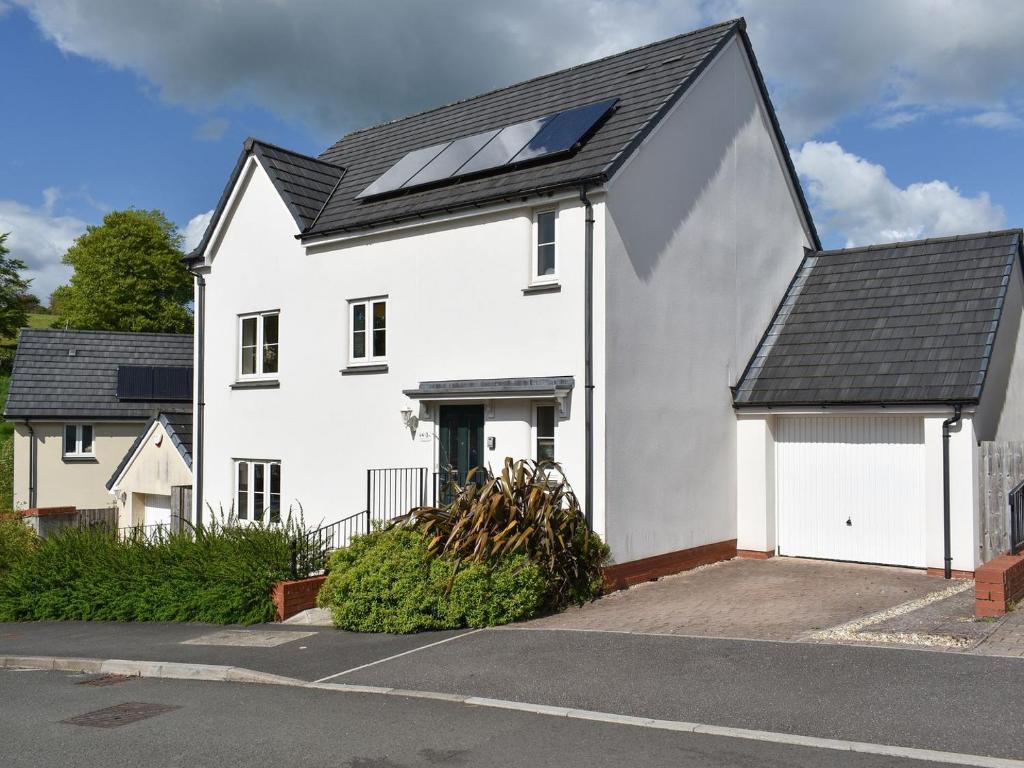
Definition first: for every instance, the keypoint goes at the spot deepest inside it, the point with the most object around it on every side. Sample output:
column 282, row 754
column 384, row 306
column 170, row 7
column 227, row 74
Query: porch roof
column 482, row 389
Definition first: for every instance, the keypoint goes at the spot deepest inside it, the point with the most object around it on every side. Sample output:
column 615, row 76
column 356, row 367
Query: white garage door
column 851, row 488
column 158, row 509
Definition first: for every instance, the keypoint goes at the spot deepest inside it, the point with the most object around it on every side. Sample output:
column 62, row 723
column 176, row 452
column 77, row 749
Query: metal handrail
column 1017, row 519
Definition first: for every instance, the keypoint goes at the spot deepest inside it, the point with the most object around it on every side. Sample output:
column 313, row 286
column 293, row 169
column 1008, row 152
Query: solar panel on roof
column 565, row 131
column 533, row 139
column 403, row 170
column 452, row 158
column 505, row 145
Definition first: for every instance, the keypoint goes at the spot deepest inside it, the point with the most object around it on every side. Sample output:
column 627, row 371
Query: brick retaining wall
column 998, row 584
column 292, row 597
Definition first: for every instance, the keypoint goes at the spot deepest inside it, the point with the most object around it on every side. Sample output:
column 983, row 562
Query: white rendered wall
column 1000, row 414
column 963, row 493
column 704, row 234
column 755, row 484
column 456, row 310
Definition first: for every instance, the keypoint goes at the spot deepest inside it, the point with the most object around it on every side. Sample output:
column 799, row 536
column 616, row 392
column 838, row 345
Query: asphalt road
column 905, row 698
column 230, row 724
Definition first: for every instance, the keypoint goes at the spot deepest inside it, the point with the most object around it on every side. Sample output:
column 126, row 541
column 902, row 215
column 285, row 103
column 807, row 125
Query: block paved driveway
column 778, row 599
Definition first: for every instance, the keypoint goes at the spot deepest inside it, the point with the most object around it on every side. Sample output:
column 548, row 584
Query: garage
column 852, row 488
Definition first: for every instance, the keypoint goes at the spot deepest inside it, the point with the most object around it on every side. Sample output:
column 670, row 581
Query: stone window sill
column 542, row 288
column 358, row 370
column 257, row 384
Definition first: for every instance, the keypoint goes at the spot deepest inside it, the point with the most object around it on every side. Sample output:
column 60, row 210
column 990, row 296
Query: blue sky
column 904, row 117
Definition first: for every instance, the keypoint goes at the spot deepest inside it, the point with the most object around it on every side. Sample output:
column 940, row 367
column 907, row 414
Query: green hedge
column 387, row 581
column 222, row 575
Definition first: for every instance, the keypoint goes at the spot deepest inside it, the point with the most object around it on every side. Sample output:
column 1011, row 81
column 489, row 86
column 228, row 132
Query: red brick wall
column 998, row 584
column 292, row 597
column 622, row 575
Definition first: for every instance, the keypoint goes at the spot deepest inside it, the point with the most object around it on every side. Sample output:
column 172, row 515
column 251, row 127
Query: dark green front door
column 461, row 430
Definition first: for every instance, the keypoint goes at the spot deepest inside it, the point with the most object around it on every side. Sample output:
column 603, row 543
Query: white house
column 580, row 266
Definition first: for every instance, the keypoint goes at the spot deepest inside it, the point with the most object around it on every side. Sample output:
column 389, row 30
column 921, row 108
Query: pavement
column 227, row 724
column 893, row 697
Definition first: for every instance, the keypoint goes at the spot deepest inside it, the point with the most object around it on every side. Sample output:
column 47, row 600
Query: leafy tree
column 12, row 285
column 31, row 303
column 128, row 276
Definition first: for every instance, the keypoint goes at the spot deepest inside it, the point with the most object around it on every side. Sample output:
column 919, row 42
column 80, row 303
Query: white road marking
column 397, row 656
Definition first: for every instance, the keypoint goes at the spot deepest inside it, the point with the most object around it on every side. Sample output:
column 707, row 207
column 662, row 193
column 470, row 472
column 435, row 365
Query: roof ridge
column 736, row 21
column 251, row 141
column 923, row 241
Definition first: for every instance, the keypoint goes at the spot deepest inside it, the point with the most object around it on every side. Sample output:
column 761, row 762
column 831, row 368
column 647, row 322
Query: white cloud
column 195, row 229
column 39, row 238
column 827, row 60
column 339, row 66
column 856, row 199
column 213, row 129
column 996, row 118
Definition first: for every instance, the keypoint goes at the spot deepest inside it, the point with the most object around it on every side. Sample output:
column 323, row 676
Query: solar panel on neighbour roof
column 533, row 139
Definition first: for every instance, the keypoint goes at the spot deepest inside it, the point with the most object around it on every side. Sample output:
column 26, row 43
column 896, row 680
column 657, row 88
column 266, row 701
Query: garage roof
column 903, row 323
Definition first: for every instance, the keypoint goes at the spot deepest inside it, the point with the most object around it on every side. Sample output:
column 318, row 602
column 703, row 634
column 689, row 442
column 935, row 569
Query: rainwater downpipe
column 199, row 459
column 32, row 465
column 947, row 542
column 588, row 356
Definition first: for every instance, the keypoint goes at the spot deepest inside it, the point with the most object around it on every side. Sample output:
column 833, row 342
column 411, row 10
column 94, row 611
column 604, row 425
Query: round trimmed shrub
column 388, row 581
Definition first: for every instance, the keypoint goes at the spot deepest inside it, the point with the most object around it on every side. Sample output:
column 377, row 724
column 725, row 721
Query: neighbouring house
column 581, row 267
column 152, row 486
column 872, row 354
column 79, row 399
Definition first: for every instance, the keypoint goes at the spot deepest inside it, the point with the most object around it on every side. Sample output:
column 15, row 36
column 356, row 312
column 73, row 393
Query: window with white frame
column 258, row 490
column 544, row 256
column 368, row 331
column 78, row 441
column 544, row 427
column 258, row 345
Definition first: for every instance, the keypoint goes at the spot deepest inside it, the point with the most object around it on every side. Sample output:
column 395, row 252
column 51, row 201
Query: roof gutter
column 946, row 537
column 588, row 355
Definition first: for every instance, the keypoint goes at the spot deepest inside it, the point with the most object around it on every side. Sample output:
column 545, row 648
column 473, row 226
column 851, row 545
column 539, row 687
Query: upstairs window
column 258, row 490
column 368, row 321
column 78, row 441
column 544, row 255
column 258, row 345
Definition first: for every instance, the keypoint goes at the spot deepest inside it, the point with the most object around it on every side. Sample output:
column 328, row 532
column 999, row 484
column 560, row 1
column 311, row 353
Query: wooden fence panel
column 1000, row 468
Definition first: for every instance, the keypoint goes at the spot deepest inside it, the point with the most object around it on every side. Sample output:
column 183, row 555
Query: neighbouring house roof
column 534, row 386
column 647, row 82
column 177, row 425
column 73, row 374
column 904, row 323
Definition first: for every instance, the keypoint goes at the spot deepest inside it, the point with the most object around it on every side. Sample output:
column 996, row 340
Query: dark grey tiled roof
column 49, row 381
column 647, row 81
column 179, row 429
column 900, row 323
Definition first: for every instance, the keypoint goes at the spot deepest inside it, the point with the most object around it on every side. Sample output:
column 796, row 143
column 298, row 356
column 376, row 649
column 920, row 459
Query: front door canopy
column 533, row 387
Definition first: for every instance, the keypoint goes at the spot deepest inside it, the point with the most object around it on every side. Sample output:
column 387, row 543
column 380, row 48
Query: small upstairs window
column 545, row 256
column 78, row 441
column 368, row 335
column 258, row 345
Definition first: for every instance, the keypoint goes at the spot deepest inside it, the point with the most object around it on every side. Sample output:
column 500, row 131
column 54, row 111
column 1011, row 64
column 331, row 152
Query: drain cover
column 99, row 682
column 120, row 714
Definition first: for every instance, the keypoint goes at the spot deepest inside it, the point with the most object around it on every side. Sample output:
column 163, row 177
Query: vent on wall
column 154, row 382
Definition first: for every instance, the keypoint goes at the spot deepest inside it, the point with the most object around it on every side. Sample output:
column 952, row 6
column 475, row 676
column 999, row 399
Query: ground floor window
column 544, row 426
column 258, row 490
column 78, row 441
